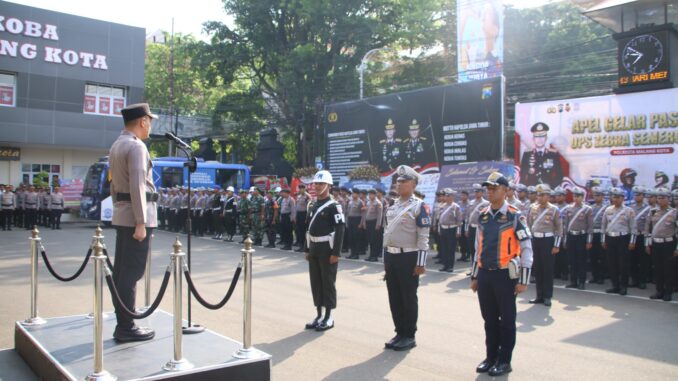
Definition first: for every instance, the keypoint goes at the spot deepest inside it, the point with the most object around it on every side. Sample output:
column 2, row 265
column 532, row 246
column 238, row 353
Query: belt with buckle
column 474, row 226
column 662, row 240
column 596, row 231
column 150, row 197
column 577, row 232
column 324, row 238
column 495, row 268
column 617, row 234
column 448, row 226
column 400, row 250
column 542, row 235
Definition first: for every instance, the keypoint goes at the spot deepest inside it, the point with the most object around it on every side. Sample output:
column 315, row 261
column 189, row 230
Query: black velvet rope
column 62, row 278
column 223, row 301
column 120, row 306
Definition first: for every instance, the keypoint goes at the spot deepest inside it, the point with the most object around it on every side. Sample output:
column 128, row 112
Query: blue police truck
column 96, row 203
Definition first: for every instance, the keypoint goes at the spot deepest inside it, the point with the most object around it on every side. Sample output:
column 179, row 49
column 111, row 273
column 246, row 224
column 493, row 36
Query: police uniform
column 175, row 205
column 372, row 220
column 475, row 206
column 355, row 211
column 162, row 200
column 31, row 208
column 619, row 227
column 449, row 222
column 639, row 264
column 405, row 248
column 434, row 236
column 287, row 218
column 464, row 247
column 230, row 210
column 345, row 196
column 322, row 241
column 660, row 234
column 561, row 269
column 19, row 215
column 597, row 253
column 391, row 149
column 193, row 199
column 578, row 225
column 134, row 202
column 9, row 203
column 541, row 166
column 300, row 208
column 43, row 209
column 244, row 214
column 56, row 207
column 546, row 226
column 503, row 237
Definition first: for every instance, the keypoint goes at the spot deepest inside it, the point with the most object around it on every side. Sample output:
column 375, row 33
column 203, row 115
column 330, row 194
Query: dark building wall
column 49, row 96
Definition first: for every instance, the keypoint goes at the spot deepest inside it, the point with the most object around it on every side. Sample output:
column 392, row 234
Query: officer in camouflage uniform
column 270, row 217
column 257, row 213
column 244, row 214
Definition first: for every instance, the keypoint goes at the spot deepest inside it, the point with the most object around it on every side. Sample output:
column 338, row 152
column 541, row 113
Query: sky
column 157, row 14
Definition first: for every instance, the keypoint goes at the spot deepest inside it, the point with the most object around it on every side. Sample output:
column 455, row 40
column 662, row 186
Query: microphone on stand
column 179, row 142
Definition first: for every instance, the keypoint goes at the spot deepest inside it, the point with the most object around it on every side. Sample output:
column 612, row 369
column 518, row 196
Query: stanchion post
column 34, row 319
column 98, row 237
column 147, row 279
column 99, row 374
column 247, row 351
column 178, row 362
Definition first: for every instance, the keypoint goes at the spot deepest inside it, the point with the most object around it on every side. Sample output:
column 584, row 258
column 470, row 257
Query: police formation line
column 28, row 206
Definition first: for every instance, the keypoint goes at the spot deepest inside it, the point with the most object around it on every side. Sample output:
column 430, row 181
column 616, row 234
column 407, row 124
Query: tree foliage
column 300, row 54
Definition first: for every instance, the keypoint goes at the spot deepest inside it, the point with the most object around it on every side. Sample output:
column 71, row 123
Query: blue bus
column 167, row 172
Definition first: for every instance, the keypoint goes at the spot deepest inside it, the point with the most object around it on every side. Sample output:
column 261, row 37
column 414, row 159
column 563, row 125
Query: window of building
column 104, row 99
column 32, row 172
column 7, row 89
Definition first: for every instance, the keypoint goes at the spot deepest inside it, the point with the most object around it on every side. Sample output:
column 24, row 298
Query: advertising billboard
column 480, row 39
column 625, row 140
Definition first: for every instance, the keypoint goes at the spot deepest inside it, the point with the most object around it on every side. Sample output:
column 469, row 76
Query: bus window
column 230, row 177
column 172, row 176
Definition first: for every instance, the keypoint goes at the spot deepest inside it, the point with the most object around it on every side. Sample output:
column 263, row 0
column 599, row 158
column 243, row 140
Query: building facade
column 63, row 81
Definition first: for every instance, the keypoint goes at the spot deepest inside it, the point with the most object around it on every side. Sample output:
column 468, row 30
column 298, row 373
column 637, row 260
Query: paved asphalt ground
column 585, row 335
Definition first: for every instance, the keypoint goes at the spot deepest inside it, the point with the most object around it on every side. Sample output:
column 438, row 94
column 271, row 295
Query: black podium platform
column 62, row 349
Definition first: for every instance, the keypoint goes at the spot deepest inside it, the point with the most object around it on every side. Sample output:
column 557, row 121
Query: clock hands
column 635, row 53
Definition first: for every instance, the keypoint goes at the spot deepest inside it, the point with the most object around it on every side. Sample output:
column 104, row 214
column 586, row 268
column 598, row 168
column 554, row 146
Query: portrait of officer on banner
column 541, row 164
column 418, row 148
column 391, row 148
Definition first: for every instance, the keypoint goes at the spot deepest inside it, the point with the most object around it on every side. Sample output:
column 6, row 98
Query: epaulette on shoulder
column 513, row 209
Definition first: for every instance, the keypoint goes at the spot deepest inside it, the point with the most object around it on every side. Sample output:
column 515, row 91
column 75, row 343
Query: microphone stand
column 191, row 164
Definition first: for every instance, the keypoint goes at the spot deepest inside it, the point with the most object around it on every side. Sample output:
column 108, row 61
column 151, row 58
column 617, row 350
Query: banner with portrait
column 425, row 129
column 627, row 140
column 480, row 39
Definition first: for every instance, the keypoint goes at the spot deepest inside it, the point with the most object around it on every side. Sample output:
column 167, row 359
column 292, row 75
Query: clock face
column 642, row 54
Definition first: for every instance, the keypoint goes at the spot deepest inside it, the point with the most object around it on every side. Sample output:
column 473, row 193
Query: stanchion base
column 62, row 350
column 192, row 329
column 101, row 376
column 177, row 365
column 249, row 353
column 91, row 315
column 31, row 322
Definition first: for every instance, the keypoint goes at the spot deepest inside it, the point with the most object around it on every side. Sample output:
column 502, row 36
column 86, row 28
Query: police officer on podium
column 322, row 246
column 406, row 237
column 501, row 271
column 134, row 213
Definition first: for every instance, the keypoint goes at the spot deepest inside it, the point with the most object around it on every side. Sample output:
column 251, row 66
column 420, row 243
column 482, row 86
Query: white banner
column 625, row 140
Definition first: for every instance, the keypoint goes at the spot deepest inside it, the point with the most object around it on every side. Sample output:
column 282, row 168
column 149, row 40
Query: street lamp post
column 363, row 66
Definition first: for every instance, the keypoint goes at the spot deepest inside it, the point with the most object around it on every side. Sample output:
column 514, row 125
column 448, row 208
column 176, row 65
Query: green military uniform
column 270, row 220
column 256, row 205
column 244, row 215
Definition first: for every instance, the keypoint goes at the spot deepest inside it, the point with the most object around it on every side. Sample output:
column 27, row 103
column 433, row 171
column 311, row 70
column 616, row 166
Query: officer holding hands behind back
column 501, row 271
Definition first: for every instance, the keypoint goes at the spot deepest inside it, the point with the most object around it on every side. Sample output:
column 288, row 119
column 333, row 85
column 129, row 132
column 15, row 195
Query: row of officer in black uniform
column 30, row 206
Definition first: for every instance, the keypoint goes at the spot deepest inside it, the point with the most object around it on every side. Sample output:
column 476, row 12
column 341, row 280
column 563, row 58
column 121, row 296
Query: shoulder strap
column 401, row 214
column 642, row 212
column 654, row 228
column 539, row 217
column 616, row 216
column 569, row 225
column 325, row 205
